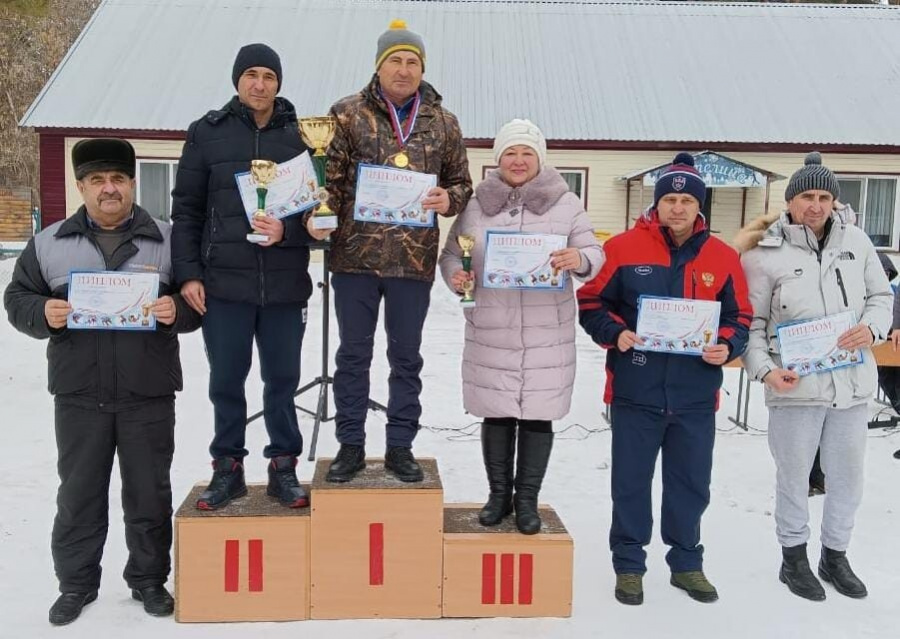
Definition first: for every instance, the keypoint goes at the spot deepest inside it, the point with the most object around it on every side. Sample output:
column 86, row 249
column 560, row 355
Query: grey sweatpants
column 795, row 432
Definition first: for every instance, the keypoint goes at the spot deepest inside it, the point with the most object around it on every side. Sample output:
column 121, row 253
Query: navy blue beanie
column 680, row 177
column 256, row 55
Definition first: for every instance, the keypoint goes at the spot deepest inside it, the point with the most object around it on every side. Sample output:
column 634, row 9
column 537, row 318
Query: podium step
column 248, row 561
column 499, row 572
column 378, row 545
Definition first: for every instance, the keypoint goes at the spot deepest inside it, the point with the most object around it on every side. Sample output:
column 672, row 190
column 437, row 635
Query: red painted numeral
column 526, row 567
column 233, row 565
column 376, row 554
column 507, row 566
column 488, row 578
column 255, row 577
column 507, row 579
column 232, row 558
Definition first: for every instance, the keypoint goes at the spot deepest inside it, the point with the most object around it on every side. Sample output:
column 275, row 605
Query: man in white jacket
column 817, row 266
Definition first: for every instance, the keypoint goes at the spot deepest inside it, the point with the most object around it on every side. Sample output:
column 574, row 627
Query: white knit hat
column 524, row 132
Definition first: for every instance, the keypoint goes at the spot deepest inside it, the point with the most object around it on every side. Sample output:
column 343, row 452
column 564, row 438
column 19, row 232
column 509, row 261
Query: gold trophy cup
column 263, row 171
column 317, row 133
column 145, row 313
column 467, row 243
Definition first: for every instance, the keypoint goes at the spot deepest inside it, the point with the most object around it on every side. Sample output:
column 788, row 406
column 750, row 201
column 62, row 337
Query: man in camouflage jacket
column 374, row 260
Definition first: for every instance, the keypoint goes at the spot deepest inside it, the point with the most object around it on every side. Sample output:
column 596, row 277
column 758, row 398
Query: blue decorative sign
column 718, row 171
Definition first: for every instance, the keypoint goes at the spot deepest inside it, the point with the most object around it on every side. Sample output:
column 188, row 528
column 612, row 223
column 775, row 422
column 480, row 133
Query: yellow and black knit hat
column 399, row 38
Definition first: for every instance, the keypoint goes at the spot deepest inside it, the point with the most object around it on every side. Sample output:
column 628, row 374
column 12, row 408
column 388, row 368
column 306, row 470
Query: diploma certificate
column 521, row 261
column 810, row 346
column 676, row 325
column 112, row 300
column 293, row 190
column 386, row 195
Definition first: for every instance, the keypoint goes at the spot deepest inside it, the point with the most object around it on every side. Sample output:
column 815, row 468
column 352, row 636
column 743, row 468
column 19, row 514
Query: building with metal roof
column 615, row 86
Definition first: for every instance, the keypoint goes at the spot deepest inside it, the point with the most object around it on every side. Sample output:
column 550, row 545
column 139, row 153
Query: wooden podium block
column 378, row 545
column 248, row 561
column 499, row 572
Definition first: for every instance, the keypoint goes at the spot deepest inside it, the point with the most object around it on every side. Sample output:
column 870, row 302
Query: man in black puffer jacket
column 242, row 289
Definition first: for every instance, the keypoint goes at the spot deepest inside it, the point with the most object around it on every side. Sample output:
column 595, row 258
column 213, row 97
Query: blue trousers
column 686, row 441
column 357, row 298
column 228, row 330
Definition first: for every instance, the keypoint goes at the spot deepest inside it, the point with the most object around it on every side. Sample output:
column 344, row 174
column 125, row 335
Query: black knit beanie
column 256, row 55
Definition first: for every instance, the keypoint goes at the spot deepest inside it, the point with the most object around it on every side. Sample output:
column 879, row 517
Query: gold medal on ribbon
column 401, row 160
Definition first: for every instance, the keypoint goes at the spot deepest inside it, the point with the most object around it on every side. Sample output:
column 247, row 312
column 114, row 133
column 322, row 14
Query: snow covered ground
column 742, row 556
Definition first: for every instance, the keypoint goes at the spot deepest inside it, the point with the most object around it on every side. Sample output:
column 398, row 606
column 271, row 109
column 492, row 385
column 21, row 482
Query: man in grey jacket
column 817, row 266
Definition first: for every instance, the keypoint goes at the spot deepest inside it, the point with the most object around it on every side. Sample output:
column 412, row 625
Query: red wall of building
column 53, row 179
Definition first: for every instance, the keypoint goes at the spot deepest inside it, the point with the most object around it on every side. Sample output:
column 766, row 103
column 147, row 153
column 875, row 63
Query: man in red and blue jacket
column 661, row 401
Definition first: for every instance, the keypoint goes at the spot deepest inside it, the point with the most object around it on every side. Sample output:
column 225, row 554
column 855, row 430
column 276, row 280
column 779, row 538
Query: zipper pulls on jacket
column 840, row 281
column 256, row 144
column 693, row 284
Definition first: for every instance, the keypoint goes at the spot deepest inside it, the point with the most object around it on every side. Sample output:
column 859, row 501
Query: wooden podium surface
column 375, row 477
column 256, row 504
column 463, row 518
column 248, row 561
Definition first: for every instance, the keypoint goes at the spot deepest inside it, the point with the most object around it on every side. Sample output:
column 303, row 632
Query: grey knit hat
column 812, row 177
column 399, row 38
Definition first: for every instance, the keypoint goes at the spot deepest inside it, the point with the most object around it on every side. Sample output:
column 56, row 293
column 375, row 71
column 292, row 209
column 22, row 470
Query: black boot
column 68, row 606
column 283, row 482
column 796, row 573
column 350, row 460
column 531, row 465
column 835, row 569
column 401, row 461
column 156, row 599
column 498, row 448
column 227, row 484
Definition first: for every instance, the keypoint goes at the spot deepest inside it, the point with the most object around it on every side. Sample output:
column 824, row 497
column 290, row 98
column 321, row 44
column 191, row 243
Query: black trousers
column 86, row 442
column 357, row 299
column 229, row 329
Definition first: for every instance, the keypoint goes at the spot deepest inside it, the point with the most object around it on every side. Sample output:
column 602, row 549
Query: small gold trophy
column 467, row 243
column 707, row 336
column 145, row 313
column 263, row 171
column 317, row 132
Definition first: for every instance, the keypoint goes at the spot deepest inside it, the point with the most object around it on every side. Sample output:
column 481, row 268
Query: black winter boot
column 227, row 484
column 835, row 569
column 68, row 605
column 156, row 599
column 401, row 461
column 498, row 448
column 531, row 465
column 283, row 482
column 350, row 460
column 796, row 573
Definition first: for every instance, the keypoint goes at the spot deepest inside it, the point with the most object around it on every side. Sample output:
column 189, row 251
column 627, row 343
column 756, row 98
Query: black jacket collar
column 141, row 226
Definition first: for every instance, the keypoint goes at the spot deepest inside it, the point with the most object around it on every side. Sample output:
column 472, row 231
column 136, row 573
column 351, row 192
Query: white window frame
column 583, row 171
column 860, row 214
column 173, row 168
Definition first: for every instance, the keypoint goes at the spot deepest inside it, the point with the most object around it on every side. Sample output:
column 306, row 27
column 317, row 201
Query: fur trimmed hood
column 537, row 195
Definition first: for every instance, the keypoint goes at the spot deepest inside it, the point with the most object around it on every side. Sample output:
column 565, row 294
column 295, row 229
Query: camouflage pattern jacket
column 364, row 134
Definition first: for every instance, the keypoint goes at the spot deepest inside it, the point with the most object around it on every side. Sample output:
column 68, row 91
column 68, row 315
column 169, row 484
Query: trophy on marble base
column 467, row 243
column 317, row 133
column 263, row 171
